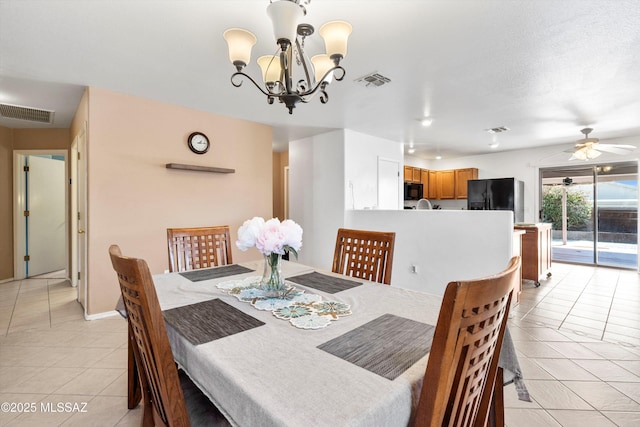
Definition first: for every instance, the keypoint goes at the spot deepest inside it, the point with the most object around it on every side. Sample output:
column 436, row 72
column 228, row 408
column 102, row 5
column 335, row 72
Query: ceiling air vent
column 373, row 80
column 497, row 130
column 26, row 113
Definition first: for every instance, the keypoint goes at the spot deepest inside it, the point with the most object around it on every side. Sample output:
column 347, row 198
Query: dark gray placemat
column 209, row 320
column 323, row 282
column 386, row 346
column 215, row 273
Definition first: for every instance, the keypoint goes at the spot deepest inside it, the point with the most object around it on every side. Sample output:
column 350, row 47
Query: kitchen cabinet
column 517, row 251
column 461, row 178
column 424, row 180
column 412, row 174
column 446, row 184
column 432, row 191
column 536, row 251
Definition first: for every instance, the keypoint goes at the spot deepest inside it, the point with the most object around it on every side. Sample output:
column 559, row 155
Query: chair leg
column 134, row 390
column 496, row 413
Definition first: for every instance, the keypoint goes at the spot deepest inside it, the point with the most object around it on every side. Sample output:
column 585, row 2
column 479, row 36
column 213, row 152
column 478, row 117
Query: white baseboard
column 104, row 315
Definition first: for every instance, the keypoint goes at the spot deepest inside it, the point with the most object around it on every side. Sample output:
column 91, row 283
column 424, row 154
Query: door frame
column 19, row 204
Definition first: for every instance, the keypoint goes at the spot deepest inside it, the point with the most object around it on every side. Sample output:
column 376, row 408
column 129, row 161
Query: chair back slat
column 364, row 254
column 158, row 373
column 463, row 362
column 201, row 247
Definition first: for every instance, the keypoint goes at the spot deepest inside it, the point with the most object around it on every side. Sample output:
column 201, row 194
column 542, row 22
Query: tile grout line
column 606, row 323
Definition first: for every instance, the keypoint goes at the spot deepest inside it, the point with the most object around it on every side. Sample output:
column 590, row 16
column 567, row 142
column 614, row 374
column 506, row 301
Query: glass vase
column 272, row 279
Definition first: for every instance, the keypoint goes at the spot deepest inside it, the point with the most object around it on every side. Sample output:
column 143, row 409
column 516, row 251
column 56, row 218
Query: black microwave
column 412, row 191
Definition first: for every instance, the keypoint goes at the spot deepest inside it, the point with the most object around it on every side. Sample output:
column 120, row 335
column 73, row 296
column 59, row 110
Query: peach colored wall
column 19, row 139
column 133, row 198
column 6, row 203
column 41, row 139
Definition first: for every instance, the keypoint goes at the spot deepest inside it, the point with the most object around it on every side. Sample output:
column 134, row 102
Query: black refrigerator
column 502, row 194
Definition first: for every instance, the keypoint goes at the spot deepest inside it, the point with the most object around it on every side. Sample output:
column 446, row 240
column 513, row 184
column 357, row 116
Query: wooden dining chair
column 463, row 363
column 202, row 247
column 364, row 254
column 163, row 387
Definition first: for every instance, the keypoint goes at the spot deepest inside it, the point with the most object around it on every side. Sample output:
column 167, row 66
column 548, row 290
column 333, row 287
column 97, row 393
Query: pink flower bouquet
column 270, row 237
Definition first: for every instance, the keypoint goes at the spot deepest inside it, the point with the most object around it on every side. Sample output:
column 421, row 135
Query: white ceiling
column 543, row 68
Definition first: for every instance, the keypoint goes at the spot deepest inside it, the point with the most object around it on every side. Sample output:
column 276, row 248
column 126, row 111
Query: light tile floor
column 577, row 338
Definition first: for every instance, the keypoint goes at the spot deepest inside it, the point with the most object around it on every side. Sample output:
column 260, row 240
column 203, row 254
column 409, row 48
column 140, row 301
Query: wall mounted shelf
column 197, row 168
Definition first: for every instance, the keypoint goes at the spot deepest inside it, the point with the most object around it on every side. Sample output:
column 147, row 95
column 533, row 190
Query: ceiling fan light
column 270, row 66
column 240, row 43
column 335, row 35
column 321, row 64
column 285, row 16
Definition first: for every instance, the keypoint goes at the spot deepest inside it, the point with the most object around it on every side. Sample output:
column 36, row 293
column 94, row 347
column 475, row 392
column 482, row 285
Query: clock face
column 198, row 143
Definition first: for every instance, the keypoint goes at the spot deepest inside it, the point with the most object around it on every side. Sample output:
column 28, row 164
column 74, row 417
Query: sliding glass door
column 594, row 212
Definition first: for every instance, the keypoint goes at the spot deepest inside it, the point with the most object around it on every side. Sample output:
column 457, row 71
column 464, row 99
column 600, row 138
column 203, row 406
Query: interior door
column 388, row 184
column 46, row 222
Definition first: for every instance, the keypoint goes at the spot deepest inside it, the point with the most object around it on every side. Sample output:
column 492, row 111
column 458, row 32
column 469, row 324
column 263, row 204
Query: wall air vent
column 26, row 113
column 497, row 130
column 373, row 80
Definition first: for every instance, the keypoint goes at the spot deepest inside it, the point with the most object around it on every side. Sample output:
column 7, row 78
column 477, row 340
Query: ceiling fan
column 590, row 148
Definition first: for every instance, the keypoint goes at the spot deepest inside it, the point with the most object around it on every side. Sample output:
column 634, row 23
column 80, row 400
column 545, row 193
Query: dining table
column 333, row 351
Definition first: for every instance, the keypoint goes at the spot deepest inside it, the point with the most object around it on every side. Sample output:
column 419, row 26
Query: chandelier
column 278, row 70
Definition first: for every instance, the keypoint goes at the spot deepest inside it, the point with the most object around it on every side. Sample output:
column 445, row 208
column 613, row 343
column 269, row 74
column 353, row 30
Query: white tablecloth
column 274, row 375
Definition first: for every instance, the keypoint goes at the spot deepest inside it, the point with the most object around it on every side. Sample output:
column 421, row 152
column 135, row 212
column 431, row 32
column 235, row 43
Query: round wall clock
column 198, row 142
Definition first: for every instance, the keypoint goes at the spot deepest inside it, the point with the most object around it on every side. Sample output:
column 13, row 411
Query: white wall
column 523, row 165
column 444, row 245
column 316, row 194
column 361, row 168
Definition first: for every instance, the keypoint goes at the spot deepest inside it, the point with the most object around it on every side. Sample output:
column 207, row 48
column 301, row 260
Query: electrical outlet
column 413, row 268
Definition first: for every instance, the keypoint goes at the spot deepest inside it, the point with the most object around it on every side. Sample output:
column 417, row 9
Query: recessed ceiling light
column 427, row 121
column 438, row 157
column 494, row 145
column 411, row 150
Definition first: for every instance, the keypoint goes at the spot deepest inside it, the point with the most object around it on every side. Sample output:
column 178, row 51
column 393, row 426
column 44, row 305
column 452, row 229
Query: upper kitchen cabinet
column 461, row 178
column 412, row 174
column 431, row 192
column 424, row 180
column 446, row 187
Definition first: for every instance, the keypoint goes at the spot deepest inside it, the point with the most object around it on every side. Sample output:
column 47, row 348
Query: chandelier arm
column 241, row 74
column 323, row 84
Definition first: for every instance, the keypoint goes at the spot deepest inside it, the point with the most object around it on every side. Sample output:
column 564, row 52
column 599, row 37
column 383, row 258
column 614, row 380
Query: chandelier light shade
column 335, row 35
column 271, row 70
column 285, row 16
column 322, row 64
column 288, row 75
column 240, row 43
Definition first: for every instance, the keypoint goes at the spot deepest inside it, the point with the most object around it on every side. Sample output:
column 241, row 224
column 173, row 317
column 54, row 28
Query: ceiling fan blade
column 615, row 149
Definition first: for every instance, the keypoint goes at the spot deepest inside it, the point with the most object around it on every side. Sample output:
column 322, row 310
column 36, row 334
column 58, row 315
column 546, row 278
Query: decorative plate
column 270, row 304
column 312, row 321
column 292, row 311
column 332, row 308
